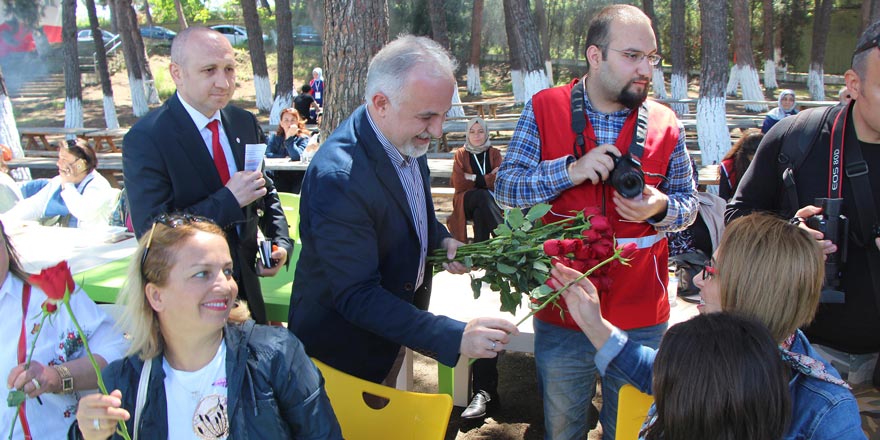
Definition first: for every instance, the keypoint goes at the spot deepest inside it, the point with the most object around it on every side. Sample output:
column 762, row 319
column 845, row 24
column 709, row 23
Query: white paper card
column 253, row 156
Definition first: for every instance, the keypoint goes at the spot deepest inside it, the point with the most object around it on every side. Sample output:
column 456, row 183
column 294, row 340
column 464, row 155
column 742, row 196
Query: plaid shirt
column 525, row 180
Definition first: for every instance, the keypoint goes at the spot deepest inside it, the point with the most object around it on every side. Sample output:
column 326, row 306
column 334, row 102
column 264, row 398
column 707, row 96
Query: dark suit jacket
column 168, row 168
column 353, row 299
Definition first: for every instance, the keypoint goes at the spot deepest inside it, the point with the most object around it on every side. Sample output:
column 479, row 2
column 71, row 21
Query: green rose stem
column 552, row 298
column 27, row 365
column 85, row 341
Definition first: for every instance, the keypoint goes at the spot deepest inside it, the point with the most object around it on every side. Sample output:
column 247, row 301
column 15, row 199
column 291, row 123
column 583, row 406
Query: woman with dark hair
column 59, row 369
column 765, row 269
column 204, row 368
column 718, row 376
column 291, row 137
column 79, row 196
column 736, row 162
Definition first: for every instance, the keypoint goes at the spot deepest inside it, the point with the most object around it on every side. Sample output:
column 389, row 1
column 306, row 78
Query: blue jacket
column 292, row 147
column 820, row 410
column 354, row 302
column 274, row 391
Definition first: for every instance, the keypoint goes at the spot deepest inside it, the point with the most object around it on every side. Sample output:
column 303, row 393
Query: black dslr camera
column 835, row 227
column 627, row 176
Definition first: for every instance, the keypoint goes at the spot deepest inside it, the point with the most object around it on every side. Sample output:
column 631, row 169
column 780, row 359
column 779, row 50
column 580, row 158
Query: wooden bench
column 35, row 137
column 100, row 137
column 483, row 106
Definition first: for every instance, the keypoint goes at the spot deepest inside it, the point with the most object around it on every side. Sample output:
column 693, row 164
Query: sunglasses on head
column 171, row 221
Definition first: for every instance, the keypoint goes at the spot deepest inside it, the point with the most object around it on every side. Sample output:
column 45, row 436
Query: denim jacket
column 275, row 391
column 292, row 147
column 821, row 410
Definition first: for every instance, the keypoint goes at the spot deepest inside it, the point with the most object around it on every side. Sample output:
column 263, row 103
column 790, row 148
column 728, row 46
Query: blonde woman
column 209, row 374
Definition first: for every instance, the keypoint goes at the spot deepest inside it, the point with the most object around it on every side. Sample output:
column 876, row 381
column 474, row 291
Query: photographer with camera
column 597, row 144
column 820, row 168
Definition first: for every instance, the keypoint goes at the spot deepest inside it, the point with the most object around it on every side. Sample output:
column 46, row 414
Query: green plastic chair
column 290, row 204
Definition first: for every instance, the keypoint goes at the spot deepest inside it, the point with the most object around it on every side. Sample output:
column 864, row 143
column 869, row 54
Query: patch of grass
column 164, row 84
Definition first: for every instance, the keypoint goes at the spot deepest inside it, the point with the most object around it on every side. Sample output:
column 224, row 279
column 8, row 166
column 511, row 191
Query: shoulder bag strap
column 141, row 399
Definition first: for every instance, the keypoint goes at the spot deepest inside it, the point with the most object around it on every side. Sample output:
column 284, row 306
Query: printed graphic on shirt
column 210, row 421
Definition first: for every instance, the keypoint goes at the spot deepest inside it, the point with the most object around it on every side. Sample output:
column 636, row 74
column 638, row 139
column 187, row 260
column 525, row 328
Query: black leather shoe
column 478, row 406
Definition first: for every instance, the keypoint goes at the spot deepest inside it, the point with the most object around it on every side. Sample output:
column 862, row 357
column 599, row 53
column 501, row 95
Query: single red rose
column 552, row 248
column 602, row 248
column 570, row 246
column 591, row 235
column 579, row 265
column 600, row 223
column 584, row 253
column 49, row 306
column 628, row 250
column 561, row 260
column 55, row 281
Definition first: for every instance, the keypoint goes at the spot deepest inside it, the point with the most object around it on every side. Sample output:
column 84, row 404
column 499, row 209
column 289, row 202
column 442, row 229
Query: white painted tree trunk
column 516, row 81
column 474, row 87
column 138, row 99
column 746, row 77
column 281, row 102
column 712, row 134
column 264, row 93
column 73, row 115
column 10, row 137
column 679, row 91
column 548, row 67
column 733, row 82
column 770, row 75
column 659, row 84
column 456, row 111
column 816, row 82
column 110, row 113
column 534, row 82
column 151, row 93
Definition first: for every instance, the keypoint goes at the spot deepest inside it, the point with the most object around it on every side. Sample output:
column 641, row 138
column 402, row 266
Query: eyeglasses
column 870, row 44
column 171, row 221
column 635, row 57
column 709, row 271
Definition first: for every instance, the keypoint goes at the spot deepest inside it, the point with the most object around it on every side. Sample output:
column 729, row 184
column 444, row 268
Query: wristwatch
column 66, row 378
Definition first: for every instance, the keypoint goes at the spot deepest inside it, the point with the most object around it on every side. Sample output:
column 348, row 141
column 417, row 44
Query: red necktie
column 219, row 156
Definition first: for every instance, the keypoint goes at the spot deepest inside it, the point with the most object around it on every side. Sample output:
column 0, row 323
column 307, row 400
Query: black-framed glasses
column 870, row 44
column 709, row 270
column 635, row 57
column 171, row 221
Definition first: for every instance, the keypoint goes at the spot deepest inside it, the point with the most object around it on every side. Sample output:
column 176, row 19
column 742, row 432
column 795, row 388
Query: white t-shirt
column 57, row 343
column 197, row 400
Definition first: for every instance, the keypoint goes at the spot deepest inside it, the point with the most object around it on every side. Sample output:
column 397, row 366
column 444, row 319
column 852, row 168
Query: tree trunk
column 284, row 86
column 315, row 9
column 474, row 86
column 114, row 17
column 679, row 78
column 769, row 49
column 657, row 80
column 181, row 17
column 129, row 50
column 102, row 68
column 870, row 14
column 258, row 55
column 541, row 22
column 9, row 134
column 743, row 72
column 147, row 14
column 526, row 36
column 141, row 50
column 73, row 112
column 265, row 5
column 515, row 57
column 821, row 25
column 359, row 29
column 712, row 133
column 437, row 15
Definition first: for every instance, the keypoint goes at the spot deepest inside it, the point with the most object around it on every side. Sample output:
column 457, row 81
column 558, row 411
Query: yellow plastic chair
column 290, row 205
column 632, row 409
column 408, row 415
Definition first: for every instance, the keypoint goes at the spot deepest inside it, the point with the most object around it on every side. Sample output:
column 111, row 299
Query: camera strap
column 636, row 126
column 578, row 119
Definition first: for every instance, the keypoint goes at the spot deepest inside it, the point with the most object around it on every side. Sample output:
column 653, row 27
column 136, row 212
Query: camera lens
column 629, row 184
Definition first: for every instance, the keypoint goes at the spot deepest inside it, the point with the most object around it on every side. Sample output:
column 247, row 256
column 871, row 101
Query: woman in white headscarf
column 787, row 107
column 473, row 178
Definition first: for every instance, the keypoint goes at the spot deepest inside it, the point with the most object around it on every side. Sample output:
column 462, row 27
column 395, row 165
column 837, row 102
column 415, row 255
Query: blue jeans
column 567, row 379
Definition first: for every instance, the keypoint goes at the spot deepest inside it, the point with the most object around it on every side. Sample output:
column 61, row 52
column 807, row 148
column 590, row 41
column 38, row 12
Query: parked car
column 306, row 35
column 85, row 36
column 157, row 33
column 237, row 35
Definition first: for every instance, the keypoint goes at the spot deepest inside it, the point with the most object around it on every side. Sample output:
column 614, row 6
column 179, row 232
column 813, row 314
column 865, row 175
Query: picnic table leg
column 482, row 111
column 45, row 142
column 112, row 145
column 493, row 109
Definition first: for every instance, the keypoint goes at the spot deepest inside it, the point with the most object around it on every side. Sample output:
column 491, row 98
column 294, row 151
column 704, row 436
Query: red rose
column 560, row 260
column 55, row 281
column 602, row 248
column 579, row 265
column 552, row 248
column 49, row 306
column 591, row 235
column 584, row 253
column 570, row 246
column 628, row 250
column 599, row 223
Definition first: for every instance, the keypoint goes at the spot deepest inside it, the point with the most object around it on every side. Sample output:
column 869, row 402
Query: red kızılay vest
column 638, row 295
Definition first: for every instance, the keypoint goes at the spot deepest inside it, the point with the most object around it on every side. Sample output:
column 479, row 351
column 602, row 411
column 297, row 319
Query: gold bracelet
column 66, row 378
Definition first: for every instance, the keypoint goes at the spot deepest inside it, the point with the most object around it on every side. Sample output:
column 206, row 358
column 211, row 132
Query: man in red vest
column 563, row 151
